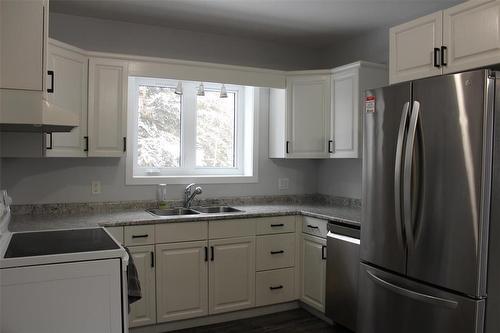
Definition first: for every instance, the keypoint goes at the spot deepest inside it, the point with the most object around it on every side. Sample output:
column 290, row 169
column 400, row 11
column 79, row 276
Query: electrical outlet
column 96, row 187
column 283, row 183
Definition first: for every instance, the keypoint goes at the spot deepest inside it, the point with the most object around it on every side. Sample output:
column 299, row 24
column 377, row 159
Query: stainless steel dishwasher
column 342, row 265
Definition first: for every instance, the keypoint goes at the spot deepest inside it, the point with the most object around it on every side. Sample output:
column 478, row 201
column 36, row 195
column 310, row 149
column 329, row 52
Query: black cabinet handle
column 51, row 89
column 277, row 225
column 436, row 57
column 323, row 254
column 49, row 146
column 124, row 144
column 330, row 150
column 277, row 287
column 277, row 252
column 312, row 226
column 206, row 253
column 287, row 147
column 140, row 236
column 152, row 259
column 212, row 253
column 86, row 143
column 444, row 55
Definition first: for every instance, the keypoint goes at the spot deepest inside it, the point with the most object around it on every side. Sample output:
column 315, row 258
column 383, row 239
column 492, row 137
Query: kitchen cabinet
column 182, row 280
column 471, row 35
column 299, row 123
column 348, row 87
column 460, row 38
column 318, row 115
column 412, row 48
column 23, row 36
column 143, row 312
column 107, row 107
column 313, row 271
column 69, row 66
column 232, row 274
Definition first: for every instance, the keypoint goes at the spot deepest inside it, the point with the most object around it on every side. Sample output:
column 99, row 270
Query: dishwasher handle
column 343, row 238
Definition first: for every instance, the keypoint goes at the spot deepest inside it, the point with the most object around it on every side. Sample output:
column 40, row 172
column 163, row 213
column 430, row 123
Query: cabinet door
column 181, row 280
column 345, row 114
column 313, row 271
column 107, row 107
column 471, row 34
column 143, row 312
column 232, row 274
column 69, row 94
column 411, row 48
column 308, row 116
column 23, row 37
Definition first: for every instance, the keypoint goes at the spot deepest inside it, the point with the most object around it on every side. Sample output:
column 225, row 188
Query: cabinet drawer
column 275, row 251
column 116, row 232
column 139, row 235
column 181, row 232
column 231, row 228
column 275, row 225
column 274, row 286
column 314, row 226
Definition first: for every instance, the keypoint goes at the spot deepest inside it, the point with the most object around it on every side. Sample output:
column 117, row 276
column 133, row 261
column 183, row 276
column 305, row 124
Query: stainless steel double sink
column 177, row 211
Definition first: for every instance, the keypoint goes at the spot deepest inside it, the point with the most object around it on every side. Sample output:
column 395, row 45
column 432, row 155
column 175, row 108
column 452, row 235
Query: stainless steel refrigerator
column 431, row 175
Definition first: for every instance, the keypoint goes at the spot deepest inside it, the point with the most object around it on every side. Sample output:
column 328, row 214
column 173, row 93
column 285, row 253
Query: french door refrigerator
column 431, row 173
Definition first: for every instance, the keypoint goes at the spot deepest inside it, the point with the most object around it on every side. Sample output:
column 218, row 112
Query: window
column 176, row 138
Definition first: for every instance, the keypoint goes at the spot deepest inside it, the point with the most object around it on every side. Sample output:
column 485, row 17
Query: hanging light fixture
column 201, row 90
column 178, row 89
column 223, row 91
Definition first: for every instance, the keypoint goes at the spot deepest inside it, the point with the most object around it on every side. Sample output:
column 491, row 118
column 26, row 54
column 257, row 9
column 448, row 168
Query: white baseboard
column 215, row 319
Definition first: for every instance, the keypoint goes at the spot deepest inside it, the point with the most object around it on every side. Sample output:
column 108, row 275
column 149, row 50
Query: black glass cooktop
column 28, row 244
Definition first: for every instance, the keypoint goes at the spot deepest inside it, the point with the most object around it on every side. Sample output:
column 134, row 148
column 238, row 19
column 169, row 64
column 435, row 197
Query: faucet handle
column 188, row 188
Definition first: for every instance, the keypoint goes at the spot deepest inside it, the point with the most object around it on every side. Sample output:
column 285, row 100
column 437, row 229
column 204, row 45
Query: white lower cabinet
column 182, row 280
column 313, row 271
column 143, row 312
column 232, row 274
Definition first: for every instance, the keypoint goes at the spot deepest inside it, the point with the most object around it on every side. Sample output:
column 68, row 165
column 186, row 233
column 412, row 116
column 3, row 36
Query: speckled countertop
column 345, row 214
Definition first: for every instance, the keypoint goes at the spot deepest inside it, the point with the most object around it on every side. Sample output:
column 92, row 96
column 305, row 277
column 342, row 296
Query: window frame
column 245, row 119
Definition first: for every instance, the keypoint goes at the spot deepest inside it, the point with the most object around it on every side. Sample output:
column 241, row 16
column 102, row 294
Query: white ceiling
column 307, row 22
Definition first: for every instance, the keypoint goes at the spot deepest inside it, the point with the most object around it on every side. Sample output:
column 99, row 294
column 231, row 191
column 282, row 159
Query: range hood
column 29, row 111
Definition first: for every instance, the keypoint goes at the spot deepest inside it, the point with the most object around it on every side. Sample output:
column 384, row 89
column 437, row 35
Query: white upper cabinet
column 414, row 48
column 107, row 107
column 348, row 86
column 460, row 38
column 471, row 34
column 70, row 72
column 299, row 117
column 23, row 37
column 304, row 124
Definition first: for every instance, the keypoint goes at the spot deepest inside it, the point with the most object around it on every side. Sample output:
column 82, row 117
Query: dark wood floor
column 294, row 321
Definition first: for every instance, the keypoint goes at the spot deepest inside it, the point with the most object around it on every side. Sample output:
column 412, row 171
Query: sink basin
column 217, row 209
column 172, row 211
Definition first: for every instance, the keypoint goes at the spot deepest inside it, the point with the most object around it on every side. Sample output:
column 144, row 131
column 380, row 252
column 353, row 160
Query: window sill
column 218, row 179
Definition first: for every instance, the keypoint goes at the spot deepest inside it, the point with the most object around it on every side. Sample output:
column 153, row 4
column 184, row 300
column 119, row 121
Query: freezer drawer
column 392, row 304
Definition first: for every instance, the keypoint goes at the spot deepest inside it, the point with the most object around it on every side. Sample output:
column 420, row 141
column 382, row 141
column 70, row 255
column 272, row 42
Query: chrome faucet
column 189, row 195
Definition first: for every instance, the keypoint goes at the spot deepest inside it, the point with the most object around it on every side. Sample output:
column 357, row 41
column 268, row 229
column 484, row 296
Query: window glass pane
column 215, row 130
column 159, row 127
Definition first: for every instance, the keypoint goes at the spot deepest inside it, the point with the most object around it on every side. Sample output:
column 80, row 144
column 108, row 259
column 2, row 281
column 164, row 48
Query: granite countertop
column 344, row 214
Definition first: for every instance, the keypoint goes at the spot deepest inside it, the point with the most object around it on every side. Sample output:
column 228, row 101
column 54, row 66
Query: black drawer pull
column 277, row 225
column 277, row 252
column 312, row 226
column 140, row 236
column 275, row 288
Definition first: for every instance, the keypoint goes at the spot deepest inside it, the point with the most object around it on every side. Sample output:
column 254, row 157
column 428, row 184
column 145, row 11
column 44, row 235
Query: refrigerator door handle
column 397, row 172
column 438, row 301
column 407, row 169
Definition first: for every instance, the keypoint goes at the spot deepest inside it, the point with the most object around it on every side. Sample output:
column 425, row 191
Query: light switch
column 96, row 187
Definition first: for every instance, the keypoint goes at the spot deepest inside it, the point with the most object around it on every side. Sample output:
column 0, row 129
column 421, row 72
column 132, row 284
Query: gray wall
column 53, row 180
column 147, row 40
